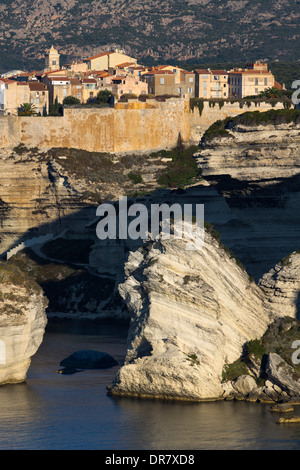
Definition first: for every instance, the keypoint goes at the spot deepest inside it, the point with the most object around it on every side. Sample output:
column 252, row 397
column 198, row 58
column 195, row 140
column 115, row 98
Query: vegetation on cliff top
column 255, row 118
column 182, row 170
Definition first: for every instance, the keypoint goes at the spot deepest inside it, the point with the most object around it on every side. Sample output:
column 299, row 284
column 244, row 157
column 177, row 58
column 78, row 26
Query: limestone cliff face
column 254, row 152
column 282, row 286
column 191, row 314
column 34, row 197
column 22, row 323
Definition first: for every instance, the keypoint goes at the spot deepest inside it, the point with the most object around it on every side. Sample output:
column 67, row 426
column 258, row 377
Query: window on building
column 205, row 85
column 191, row 79
column 78, row 95
column 256, row 81
column 65, row 92
column 266, row 81
column 190, row 90
column 205, row 93
column 217, row 86
column 37, row 101
column 256, row 91
column 162, row 81
column 216, row 77
column 53, row 62
column 179, row 90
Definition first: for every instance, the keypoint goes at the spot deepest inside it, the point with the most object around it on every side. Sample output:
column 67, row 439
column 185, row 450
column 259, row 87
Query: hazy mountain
column 164, row 30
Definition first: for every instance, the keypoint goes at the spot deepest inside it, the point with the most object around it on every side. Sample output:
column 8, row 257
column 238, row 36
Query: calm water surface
column 56, row 412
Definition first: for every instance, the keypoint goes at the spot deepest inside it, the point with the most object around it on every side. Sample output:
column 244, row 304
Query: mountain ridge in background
column 153, row 31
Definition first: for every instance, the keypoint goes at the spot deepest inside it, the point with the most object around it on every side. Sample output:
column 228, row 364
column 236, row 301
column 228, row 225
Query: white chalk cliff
column 192, row 312
column 22, row 323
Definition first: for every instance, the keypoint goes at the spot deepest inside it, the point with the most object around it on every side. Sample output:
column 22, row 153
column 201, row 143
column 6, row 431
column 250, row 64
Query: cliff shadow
column 266, row 219
column 79, row 272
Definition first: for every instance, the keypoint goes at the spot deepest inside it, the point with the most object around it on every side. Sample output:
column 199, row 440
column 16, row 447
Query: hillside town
column 122, row 76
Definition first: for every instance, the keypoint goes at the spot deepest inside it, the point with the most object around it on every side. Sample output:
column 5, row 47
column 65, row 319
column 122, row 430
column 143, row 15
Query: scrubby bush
column 69, row 100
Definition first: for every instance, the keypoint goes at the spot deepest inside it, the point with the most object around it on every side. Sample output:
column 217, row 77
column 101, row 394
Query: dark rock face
column 88, row 359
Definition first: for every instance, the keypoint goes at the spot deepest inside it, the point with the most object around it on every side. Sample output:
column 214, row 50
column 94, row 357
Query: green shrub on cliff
column 182, row 170
column 135, row 178
column 274, row 116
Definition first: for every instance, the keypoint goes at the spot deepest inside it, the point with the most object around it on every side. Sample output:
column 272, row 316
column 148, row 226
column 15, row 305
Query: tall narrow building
column 51, row 59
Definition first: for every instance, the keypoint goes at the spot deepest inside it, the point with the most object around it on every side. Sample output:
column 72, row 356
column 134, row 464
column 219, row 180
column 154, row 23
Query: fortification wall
column 129, row 127
column 133, row 126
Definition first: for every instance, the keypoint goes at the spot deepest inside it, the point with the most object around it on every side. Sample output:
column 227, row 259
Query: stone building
column 108, row 60
column 250, row 81
column 168, row 80
column 13, row 94
column 211, row 84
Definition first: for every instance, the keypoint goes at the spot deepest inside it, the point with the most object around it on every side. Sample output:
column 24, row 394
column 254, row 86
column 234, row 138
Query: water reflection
column 53, row 411
column 203, row 426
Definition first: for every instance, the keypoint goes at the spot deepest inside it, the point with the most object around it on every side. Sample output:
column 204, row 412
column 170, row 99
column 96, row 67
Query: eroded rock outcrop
column 22, row 323
column 282, row 286
column 192, row 312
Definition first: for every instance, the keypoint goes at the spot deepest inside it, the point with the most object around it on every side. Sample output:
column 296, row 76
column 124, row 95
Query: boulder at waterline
column 89, row 359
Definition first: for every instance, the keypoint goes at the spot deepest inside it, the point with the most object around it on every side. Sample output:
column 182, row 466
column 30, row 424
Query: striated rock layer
column 22, row 323
column 192, row 312
column 282, row 286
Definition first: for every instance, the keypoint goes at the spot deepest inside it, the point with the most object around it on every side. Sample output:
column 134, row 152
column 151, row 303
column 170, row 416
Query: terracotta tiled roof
column 75, row 81
column 88, row 80
column 37, row 86
column 59, row 78
column 219, row 72
column 278, row 86
column 202, row 71
column 50, row 72
column 7, row 80
column 160, row 72
column 98, row 55
column 125, row 64
column 250, row 72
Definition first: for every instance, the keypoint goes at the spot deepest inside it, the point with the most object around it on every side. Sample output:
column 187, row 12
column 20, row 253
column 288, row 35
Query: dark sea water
column 52, row 411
